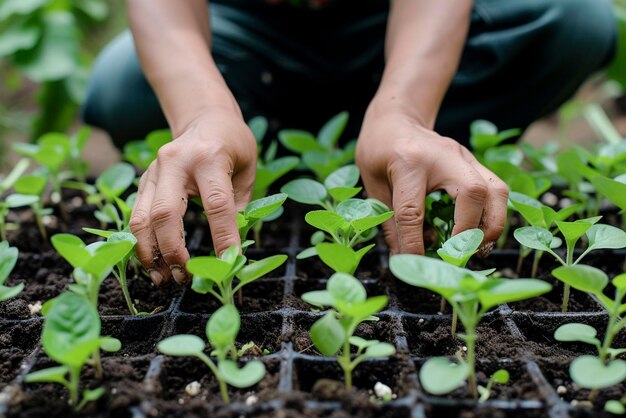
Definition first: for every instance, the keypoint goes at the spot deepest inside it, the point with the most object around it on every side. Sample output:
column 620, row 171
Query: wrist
column 388, row 102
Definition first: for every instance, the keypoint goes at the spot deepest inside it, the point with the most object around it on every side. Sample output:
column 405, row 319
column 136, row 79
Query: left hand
column 402, row 160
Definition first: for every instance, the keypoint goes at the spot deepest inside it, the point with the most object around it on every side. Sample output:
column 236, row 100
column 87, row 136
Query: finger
column 218, row 200
column 469, row 191
column 168, row 208
column 146, row 248
column 409, row 194
column 494, row 216
column 243, row 185
column 380, row 190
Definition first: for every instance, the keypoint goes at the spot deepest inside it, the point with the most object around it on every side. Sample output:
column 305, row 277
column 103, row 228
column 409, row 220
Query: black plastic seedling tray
column 510, row 337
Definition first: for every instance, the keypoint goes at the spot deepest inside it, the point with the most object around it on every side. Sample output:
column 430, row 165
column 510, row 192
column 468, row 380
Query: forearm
column 173, row 40
column 423, row 47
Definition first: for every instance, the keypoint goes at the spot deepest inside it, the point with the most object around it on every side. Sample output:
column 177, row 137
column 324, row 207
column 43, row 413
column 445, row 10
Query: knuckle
column 217, row 202
column 139, row 221
column 500, row 188
column 161, row 212
column 476, row 190
column 167, row 152
column 409, row 214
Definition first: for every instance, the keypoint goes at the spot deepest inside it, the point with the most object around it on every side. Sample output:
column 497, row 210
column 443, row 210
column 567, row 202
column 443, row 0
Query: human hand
column 215, row 158
column 401, row 161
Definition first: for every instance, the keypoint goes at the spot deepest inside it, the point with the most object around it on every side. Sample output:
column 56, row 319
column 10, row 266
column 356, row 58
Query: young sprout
column 269, row 168
column 34, row 186
column 121, row 267
column 440, row 215
column 8, row 258
column 142, row 152
column 216, row 275
column 599, row 236
column 605, row 370
column 11, row 202
column 352, row 222
column 484, row 137
column 471, row 295
column 499, row 376
column 321, row 154
column 221, row 331
column 333, row 333
column 255, row 213
column 614, row 190
column 71, row 335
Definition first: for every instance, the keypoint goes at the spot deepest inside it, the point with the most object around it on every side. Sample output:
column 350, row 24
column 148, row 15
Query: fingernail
column 179, row 273
column 156, row 277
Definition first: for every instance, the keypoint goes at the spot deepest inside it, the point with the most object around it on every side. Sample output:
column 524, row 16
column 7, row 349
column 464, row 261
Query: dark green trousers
column 522, row 59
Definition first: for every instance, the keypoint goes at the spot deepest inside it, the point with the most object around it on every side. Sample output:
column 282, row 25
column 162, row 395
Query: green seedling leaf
column 110, row 344
column 260, row 268
column 306, row 191
column 344, row 177
column 591, row 373
column 345, row 288
column 71, row 332
column 208, row 267
column 31, row 185
column 499, row 291
column 619, row 281
column 320, row 298
column 572, row 231
column 458, row 249
column 99, row 232
column 613, row 190
column 430, row 273
column 501, row 376
column 340, row 258
column 584, row 278
column 339, row 194
column 361, row 343
column 353, row 209
column 223, row 327
column 325, row 220
column 380, row 349
column 299, row 141
column 577, row 332
column 72, row 248
column 52, row 374
column 307, row 253
column 17, row 200
column 439, row 375
column 273, row 170
column 8, row 259
column 317, row 237
column 605, row 236
column 363, row 224
column 115, row 180
column 260, row 208
column 258, row 125
column 332, row 130
column 362, row 310
column 615, row 407
column 328, row 335
column 7, row 293
column 250, row 374
column 534, row 237
column 182, row 345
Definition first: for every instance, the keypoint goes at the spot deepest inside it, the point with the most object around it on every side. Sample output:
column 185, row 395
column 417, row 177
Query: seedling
column 141, row 153
column 71, row 334
column 500, row 376
column 353, row 222
column 340, row 185
column 333, row 333
column 121, row 267
column 614, row 190
column 8, row 258
column 538, row 215
column 255, row 213
column 12, row 202
column 92, row 263
column 321, row 154
column 440, row 215
column 269, row 168
column 221, row 331
column 599, row 236
column 457, row 251
column 216, row 275
column 605, row 370
column 34, row 186
column 484, row 136
column 471, row 295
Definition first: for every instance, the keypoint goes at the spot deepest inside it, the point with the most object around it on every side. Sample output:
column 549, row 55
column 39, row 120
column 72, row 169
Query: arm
column 213, row 154
column 401, row 157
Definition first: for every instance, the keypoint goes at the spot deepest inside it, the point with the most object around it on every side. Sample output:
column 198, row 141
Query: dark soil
column 263, row 295
column 146, row 297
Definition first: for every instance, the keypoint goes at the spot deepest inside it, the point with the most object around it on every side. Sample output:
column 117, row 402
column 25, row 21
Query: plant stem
column 470, row 342
column 537, row 257
column 73, row 385
column 611, row 329
column 455, row 318
column 121, row 278
column 568, row 262
column 256, row 229
column 97, row 365
column 223, row 388
column 344, row 362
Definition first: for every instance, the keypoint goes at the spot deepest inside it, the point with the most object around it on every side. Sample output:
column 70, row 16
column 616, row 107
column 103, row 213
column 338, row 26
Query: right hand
column 215, row 158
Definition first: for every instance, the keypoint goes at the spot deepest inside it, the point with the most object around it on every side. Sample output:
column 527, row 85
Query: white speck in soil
column 561, row 390
column 382, row 391
column 251, row 400
column 34, row 308
column 193, row 388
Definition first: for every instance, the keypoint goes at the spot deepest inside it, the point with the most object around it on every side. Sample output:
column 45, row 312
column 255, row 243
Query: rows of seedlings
column 310, row 317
